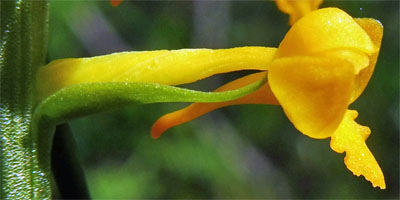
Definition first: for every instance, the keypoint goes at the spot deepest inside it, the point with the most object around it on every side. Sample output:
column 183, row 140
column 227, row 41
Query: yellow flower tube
column 165, row 67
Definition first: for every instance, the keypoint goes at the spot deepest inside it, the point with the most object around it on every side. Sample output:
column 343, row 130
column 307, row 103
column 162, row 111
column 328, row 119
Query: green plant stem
column 65, row 164
column 22, row 51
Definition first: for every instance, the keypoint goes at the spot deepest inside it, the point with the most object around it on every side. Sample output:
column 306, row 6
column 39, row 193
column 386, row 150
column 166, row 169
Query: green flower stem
column 22, row 51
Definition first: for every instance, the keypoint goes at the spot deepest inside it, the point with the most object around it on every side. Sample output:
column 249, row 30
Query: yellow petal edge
column 350, row 138
column 374, row 29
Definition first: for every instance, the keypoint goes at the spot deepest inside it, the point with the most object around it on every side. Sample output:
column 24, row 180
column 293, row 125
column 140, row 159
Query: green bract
column 83, row 99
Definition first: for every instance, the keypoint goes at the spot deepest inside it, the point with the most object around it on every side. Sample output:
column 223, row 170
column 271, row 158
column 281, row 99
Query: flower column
column 22, row 51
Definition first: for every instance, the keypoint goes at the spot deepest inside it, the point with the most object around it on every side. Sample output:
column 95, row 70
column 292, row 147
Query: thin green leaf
column 88, row 98
column 83, row 99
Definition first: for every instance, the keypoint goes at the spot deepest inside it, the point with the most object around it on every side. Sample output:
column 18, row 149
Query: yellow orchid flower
column 296, row 9
column 322, row 65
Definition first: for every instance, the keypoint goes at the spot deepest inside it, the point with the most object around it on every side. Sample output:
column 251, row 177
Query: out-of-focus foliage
column 247, row 151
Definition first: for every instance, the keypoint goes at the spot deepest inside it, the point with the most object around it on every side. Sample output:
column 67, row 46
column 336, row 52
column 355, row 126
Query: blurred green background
column 247, row 151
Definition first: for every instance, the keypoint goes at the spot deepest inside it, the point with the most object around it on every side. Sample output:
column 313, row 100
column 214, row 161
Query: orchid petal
column 350, row 138
column 296, row 9
column 323, row 30
column 261, row 96
column 164, row 67
column 313, row 91
column 375, row 31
